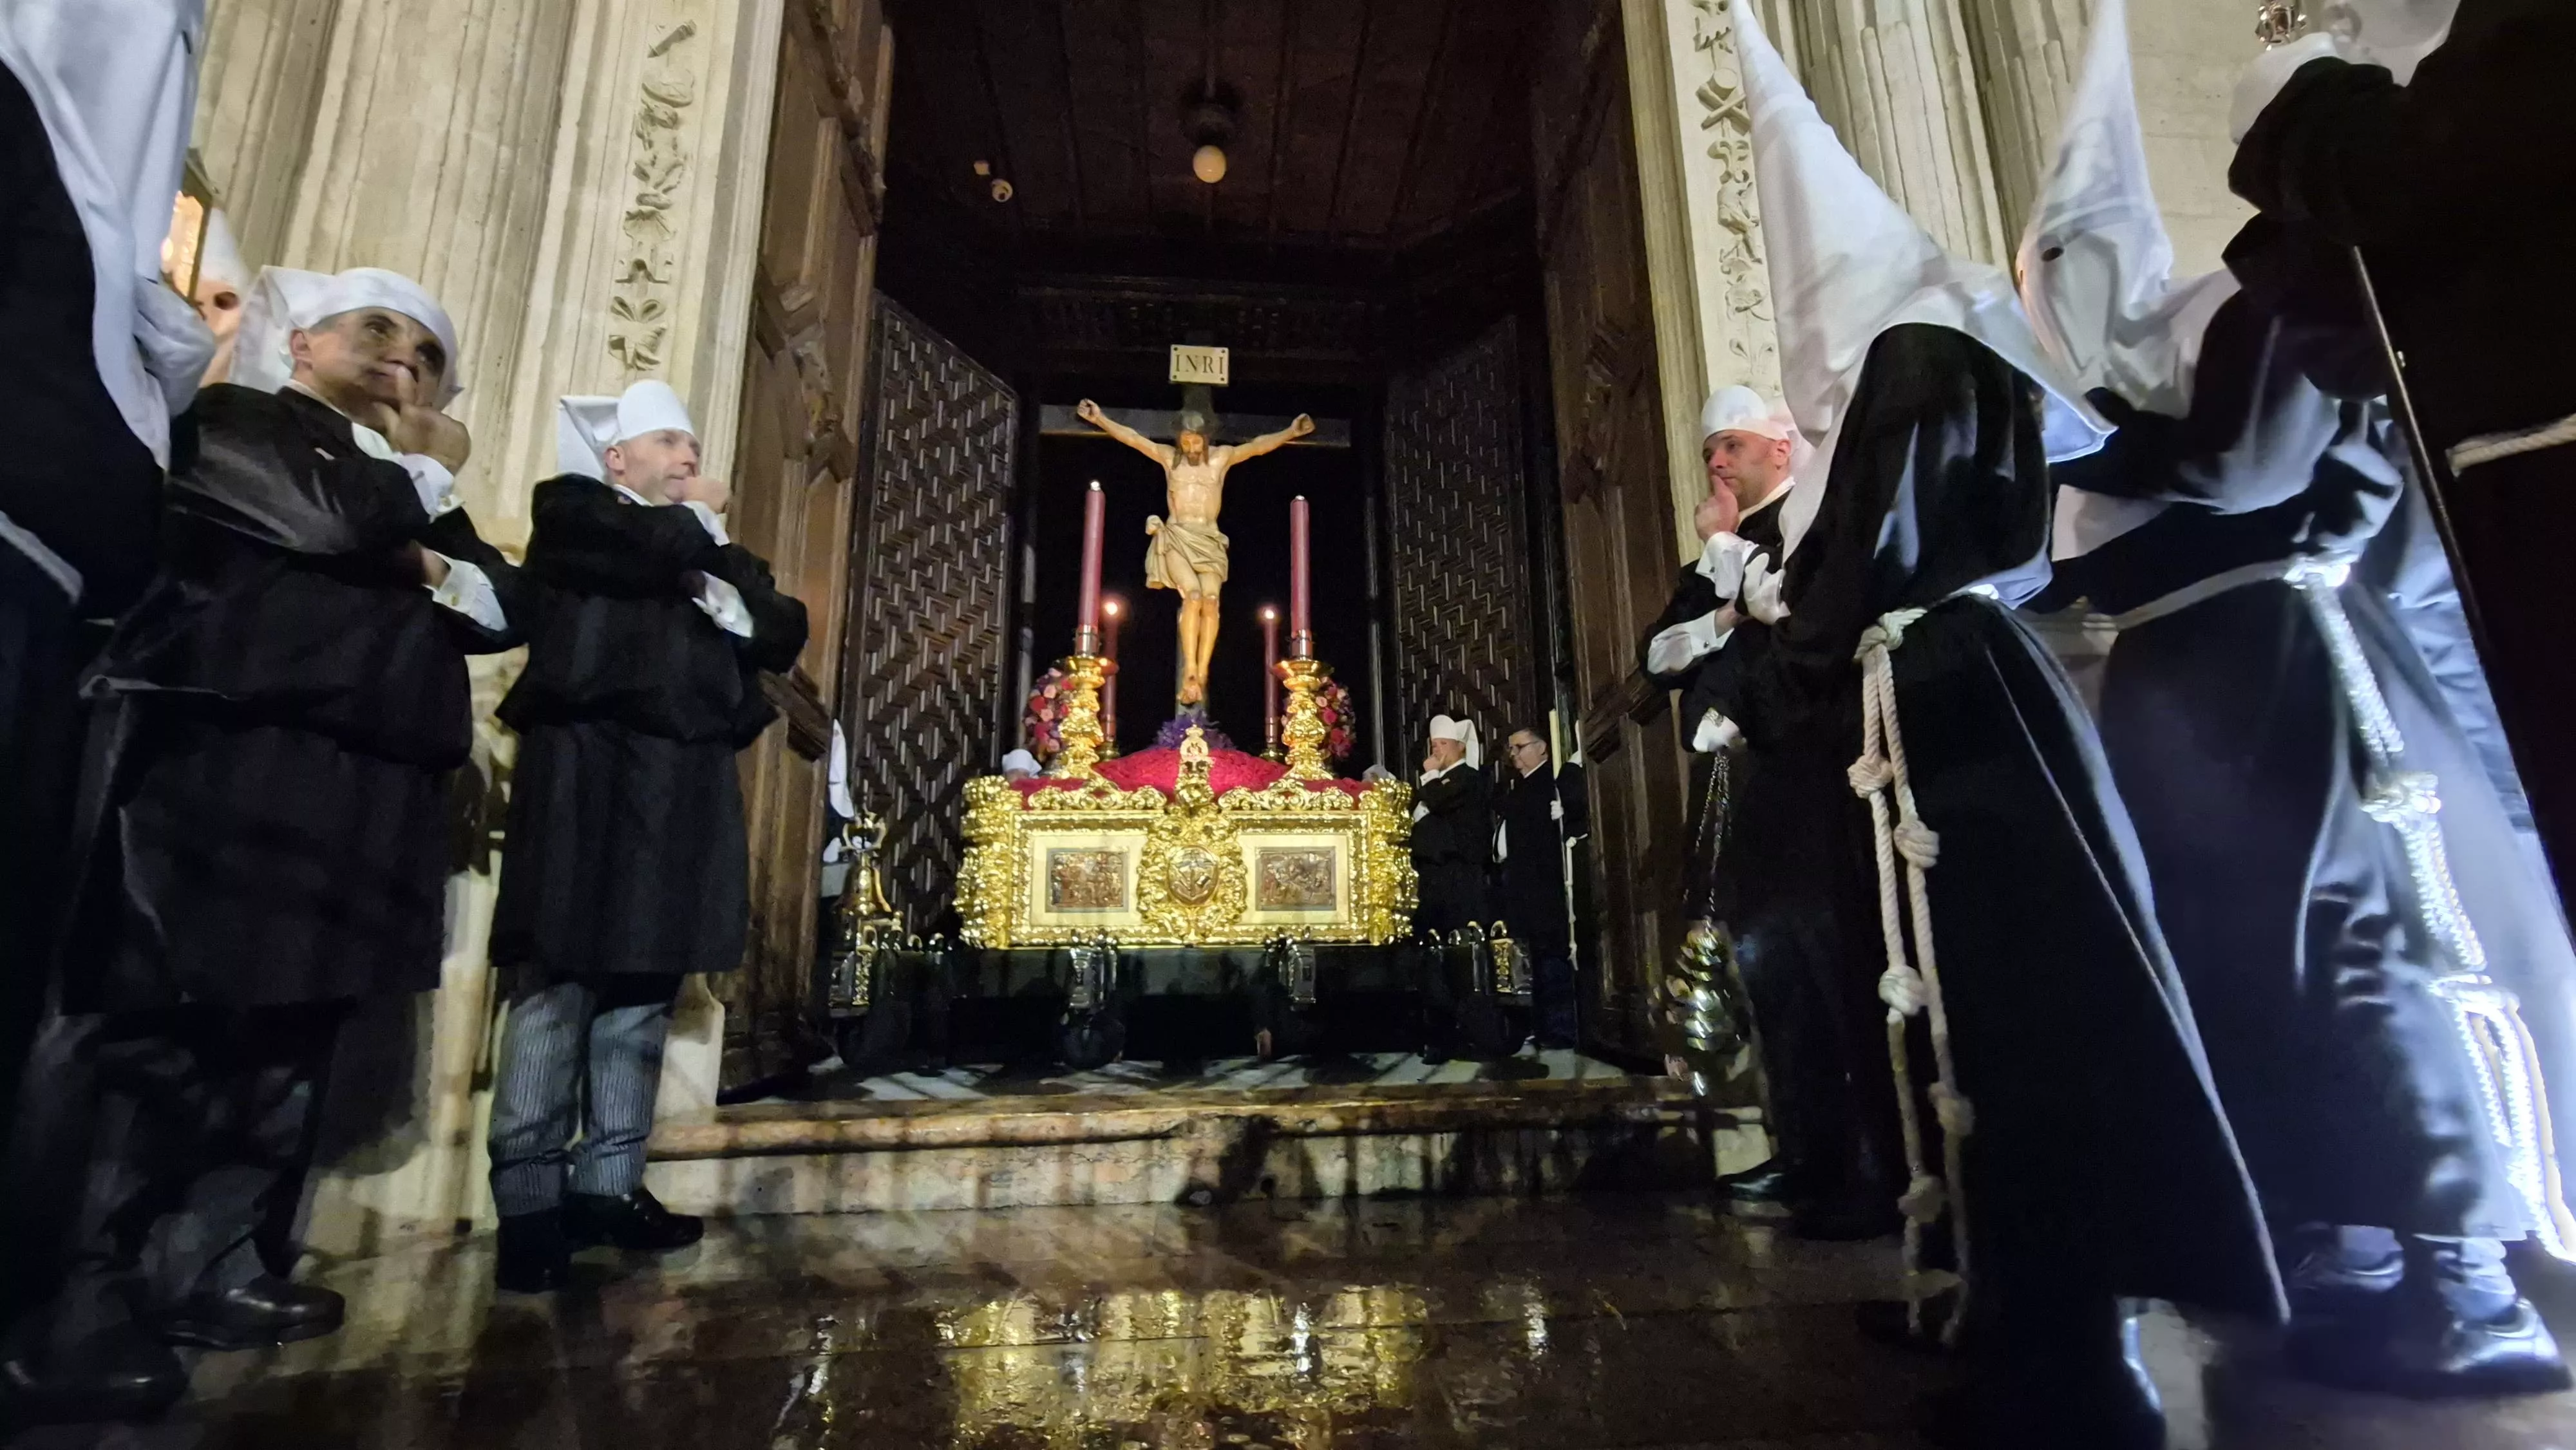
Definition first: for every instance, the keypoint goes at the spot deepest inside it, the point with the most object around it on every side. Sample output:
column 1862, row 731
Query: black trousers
column 39, row 758
column 169, row 1151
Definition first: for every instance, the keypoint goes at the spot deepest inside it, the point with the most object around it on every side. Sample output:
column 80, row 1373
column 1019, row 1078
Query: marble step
column 1199, row 1145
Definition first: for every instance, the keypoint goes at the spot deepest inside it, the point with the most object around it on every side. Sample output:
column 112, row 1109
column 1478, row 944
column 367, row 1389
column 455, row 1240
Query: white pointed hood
column 1848, row 263
column 2096, row 264
column 2395, row 33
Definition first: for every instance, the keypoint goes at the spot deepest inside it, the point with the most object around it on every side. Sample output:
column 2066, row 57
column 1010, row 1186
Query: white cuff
column 468, row 591
column 2263, row 79
column 1714, row 734
column 1761, row 596
column 1677, row 647
column 430, row 478
column 711, row 520
column 1721, row 562
column 723, row 604
column 1502, row 841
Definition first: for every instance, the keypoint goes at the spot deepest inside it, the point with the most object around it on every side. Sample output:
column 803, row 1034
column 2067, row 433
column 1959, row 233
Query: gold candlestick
column 1304, row 731
column 1083, row 676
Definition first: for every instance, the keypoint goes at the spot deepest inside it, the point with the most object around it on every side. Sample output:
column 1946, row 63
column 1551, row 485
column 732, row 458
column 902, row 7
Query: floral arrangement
column 1044, row 720
column 1177, row 729
column 1341, row 733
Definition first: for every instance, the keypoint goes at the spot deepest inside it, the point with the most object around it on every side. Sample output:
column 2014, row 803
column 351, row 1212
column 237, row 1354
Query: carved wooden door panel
column 795, row 475
column 1616, row 503
column 925, row 691
column 1465, row 617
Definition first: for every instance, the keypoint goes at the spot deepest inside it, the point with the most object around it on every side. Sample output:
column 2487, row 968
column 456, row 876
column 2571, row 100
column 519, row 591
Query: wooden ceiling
column 1365, row 127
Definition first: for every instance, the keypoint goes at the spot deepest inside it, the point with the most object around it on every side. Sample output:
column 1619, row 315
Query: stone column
column 257, row 88
column 1711, row 282
column 2028, row 53
column 1897, row 80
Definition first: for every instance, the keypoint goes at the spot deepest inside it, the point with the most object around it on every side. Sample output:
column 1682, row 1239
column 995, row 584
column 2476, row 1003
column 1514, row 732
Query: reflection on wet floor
column 1554, row 1325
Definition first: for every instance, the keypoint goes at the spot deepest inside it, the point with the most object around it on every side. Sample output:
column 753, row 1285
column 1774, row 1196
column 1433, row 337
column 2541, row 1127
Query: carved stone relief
column 1747, row 333
column 647, row 268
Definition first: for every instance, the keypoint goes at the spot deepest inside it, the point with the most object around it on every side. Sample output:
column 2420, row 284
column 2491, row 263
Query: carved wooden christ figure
column 1188, row 553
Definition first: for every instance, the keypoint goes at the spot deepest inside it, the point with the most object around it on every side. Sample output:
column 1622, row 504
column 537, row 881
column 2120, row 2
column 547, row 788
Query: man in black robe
column 2451, row 163
column 1453, row 844
column 265, row 837
column 1541, row 807
column 626, row 867
column 1768, row 860
column 95, row 97
column 2260, row 716
column 2082, row 1158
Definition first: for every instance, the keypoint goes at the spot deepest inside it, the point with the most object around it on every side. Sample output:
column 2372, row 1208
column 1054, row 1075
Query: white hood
column 1848, row 263
column 115, row 82
column 2096, row 265
column 2395, row 33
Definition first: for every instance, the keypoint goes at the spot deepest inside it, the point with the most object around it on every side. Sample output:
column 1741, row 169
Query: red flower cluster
column 1341, row 727
column 1044, row 721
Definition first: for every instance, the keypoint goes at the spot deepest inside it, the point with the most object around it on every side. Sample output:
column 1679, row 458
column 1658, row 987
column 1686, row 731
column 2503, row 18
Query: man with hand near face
column 265, row 836
column 1770, row 858
column 626, row 866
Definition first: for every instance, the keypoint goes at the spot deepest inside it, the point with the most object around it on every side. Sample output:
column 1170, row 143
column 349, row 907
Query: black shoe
column 2434, row 1356
column 534, row 1259
column 121, row 1374
column 2337, row 1276
column 2455, row 1326
column 265, row 1312
column 636, row 1221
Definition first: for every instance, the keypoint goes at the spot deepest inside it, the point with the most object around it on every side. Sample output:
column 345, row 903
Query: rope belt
column 2468, row 453
column 1912, row 988
column 2486, row 1015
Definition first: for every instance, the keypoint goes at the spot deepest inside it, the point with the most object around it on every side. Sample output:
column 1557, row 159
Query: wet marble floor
column 1569, row 1324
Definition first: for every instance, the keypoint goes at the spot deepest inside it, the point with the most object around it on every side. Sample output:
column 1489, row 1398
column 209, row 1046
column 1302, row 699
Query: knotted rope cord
column 1879, row 776
column 2486, row 1015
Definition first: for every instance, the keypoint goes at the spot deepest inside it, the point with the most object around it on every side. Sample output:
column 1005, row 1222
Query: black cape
column 2099, row 1148
column 267, row 822
column 1532, row 875
column 1453, row 842
column 2291, row 913
column 626, row 851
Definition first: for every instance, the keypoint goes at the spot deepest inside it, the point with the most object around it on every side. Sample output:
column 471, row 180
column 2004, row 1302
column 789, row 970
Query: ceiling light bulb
column 1208, row 164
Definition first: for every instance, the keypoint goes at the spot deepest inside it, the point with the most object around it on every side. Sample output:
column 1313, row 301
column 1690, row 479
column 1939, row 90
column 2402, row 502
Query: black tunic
column 2461, row 187
column 2099, row 1153
column 282, row 712
column 1533, row 873
column 1453, row 842
column 626, row 850
column 2291, row 913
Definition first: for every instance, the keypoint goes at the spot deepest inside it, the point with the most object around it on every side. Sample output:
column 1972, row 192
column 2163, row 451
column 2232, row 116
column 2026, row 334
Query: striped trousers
column 581, row 1063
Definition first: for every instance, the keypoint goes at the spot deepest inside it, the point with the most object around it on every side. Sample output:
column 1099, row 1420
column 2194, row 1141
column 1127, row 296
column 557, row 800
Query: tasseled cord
column 1910, row 990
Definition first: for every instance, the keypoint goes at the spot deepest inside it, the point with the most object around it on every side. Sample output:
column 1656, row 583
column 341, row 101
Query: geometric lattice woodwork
column 926, row 648
column 1466, row 632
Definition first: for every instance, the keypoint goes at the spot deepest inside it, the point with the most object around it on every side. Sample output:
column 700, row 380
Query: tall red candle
column 1301, row 637
column 1086, row 624
column 1270, row 674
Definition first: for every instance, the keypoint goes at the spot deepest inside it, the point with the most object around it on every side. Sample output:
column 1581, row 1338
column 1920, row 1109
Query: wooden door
column 796, row 475
column 1615, row 501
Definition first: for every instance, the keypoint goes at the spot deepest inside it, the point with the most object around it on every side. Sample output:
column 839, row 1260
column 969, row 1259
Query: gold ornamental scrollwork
column 1190, row 848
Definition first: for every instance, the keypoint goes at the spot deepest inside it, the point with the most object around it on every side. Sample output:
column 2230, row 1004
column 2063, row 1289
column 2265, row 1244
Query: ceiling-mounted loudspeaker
column 1208, row 116
column 1001, row 189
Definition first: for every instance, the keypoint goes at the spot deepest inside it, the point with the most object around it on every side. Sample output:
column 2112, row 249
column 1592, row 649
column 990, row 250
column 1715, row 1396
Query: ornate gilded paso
column 1062, row 865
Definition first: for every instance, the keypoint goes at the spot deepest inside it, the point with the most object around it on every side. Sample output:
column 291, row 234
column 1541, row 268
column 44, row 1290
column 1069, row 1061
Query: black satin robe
column 2100, row 1162
column 2291, row 912
column 626, row 851
column 267, row 822
column 1453, row 844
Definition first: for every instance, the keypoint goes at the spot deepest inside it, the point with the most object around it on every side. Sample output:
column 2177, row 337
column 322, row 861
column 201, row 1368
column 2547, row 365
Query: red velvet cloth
column 1161, row 769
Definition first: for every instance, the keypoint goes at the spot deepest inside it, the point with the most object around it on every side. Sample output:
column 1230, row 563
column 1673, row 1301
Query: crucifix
column 1188, row 552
